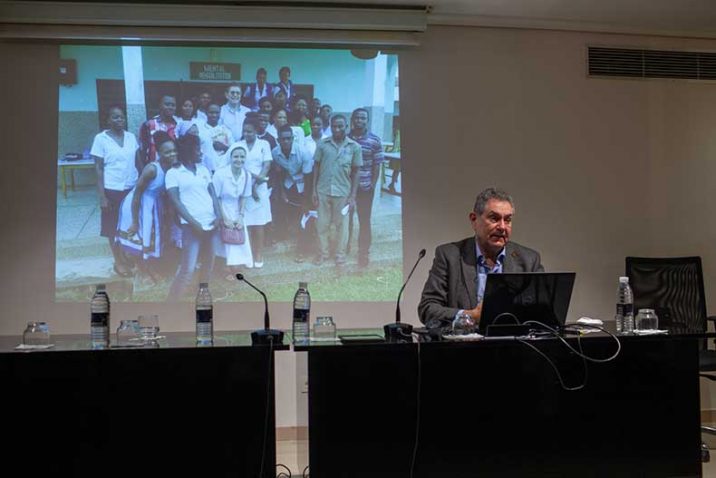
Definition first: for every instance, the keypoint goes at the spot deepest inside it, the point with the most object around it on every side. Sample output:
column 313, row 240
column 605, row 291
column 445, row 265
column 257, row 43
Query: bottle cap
column 203, row 285
column 303, row 285
column 101, row 287
column 623, row 279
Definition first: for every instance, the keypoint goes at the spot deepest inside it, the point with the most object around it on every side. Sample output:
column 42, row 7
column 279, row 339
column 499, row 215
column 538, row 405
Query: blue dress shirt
column 483, row 269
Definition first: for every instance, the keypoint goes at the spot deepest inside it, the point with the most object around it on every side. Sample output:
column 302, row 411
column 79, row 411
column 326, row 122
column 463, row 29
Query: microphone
column 267, row 335
column 397, row 331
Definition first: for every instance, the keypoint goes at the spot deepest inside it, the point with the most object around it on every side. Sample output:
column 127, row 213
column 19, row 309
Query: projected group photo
column 181, row 165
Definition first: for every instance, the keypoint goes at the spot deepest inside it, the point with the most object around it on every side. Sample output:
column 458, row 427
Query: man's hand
column 475, row 313
column 103, row 202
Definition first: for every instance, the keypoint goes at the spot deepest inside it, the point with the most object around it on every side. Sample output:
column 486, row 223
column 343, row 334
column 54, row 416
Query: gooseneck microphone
column 267, row 335
column 397, row 331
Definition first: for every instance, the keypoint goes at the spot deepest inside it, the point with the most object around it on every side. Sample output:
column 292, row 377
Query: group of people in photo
column 204, row 180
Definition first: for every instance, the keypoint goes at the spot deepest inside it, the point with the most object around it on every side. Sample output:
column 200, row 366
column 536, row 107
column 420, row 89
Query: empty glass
column 36, row 333
column 128, row 332
column 646, row 319
column 149, row 326
column 324, row 328
column 463, row 324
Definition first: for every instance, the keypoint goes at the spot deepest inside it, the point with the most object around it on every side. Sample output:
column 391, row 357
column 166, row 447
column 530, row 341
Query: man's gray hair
column 490, row 193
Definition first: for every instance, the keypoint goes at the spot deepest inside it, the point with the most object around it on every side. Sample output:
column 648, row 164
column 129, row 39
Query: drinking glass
column 148, row 326
column 646, row 319
column 324, row 328
column 128, row 332
column 36, row 333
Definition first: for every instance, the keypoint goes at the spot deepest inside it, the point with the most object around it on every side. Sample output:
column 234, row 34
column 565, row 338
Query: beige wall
column 600, row 169
column 593, row 163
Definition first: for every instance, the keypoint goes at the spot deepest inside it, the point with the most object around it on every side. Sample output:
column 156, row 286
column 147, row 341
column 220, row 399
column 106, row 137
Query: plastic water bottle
column 204, row 316
column 625, row 307
column 99, row 318
column 301, row 314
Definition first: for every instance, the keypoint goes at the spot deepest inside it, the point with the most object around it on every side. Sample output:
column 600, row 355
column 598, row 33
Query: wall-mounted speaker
column 364, row 53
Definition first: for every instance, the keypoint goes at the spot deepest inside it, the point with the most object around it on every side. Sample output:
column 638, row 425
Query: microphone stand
column 398, row 332
column 267, row 335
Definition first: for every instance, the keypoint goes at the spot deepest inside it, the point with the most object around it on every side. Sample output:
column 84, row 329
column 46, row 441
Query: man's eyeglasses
column 234, row 93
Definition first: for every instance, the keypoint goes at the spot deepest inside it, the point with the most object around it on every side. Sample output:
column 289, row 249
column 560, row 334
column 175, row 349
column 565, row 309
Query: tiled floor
column 291, row 452
column 709, row 469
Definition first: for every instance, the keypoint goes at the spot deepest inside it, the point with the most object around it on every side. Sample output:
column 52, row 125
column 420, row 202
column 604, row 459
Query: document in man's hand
column 307, row 216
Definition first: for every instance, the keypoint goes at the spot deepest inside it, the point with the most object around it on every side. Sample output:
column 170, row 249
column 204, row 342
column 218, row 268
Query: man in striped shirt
column 372, row 150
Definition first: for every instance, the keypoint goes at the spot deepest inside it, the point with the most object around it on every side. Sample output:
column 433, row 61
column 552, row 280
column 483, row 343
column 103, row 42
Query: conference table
column 169, row 408
column 496, row 407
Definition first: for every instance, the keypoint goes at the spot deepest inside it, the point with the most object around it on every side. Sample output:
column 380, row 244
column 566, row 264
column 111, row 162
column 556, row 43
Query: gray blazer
column 451, row 283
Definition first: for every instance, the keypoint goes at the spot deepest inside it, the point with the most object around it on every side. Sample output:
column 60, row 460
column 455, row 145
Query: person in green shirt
column 335, row 184
column 300, row 115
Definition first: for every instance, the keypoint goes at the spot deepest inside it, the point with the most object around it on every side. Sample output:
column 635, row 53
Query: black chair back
column 673, row 287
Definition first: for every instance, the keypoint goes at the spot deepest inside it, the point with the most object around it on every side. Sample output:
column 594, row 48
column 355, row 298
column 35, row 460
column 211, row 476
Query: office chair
column 674, row 288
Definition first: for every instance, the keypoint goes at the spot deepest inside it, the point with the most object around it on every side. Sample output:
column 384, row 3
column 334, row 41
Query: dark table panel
column 495, row 408
column 173, row 410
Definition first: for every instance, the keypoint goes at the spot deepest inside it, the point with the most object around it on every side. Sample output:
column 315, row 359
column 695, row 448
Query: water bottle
column 204, row 316
column 625, row 307
column 301, row 314
column 99, row 318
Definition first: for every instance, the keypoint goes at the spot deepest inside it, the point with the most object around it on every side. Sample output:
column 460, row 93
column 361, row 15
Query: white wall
column 599, row 168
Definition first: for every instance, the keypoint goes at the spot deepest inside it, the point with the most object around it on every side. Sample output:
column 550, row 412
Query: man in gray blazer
column 457, row 279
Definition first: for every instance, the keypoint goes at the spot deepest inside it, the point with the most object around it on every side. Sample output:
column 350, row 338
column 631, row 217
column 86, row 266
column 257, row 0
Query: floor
column 294, row 455
column 709, row 469
column 290, row 452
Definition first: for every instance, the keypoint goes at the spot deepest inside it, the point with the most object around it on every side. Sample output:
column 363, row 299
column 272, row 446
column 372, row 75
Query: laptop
column 511, row 299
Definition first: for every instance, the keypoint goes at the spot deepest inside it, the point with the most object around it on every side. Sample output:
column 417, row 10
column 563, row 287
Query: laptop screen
column 515, row 298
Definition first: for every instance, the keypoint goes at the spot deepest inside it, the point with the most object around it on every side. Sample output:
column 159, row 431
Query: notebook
column 515, row 298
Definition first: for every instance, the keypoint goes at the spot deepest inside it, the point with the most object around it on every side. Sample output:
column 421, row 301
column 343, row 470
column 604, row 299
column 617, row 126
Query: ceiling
column 671, row 17
column 690, row 18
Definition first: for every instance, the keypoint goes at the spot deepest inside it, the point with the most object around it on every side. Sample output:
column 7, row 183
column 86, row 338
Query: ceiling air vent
column 632, row 63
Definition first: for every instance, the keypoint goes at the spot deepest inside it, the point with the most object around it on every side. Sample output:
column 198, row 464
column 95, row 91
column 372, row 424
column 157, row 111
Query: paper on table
column 586, row 330
column 147, row 339
column 34, row 347
column 463, row 338
column 650, row 332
